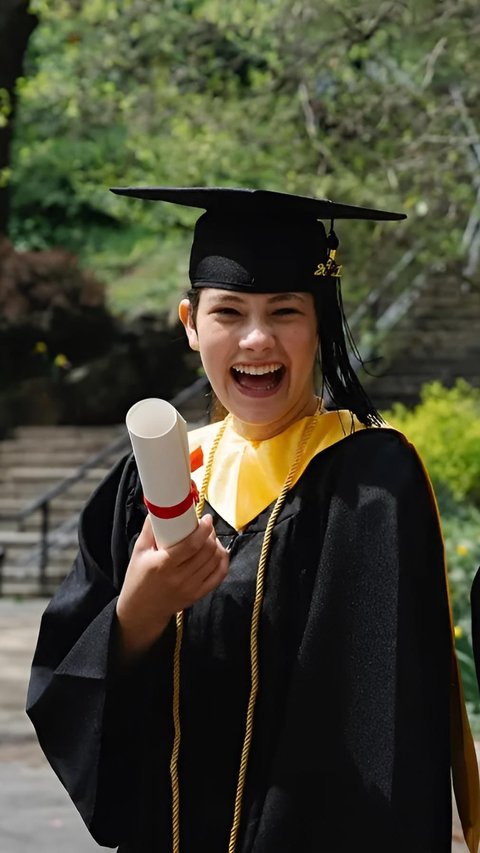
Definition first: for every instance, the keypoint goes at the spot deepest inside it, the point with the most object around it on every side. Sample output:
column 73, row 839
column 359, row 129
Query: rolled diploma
column 160, row 444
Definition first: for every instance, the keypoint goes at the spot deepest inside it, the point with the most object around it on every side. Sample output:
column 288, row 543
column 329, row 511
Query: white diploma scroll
column 160, row 444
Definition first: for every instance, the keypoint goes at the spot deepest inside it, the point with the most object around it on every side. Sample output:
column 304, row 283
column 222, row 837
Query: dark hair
column 339, row 379
column 216, row 411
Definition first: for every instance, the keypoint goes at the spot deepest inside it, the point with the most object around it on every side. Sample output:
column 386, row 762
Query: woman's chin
column 259, row 413
column 256, row 405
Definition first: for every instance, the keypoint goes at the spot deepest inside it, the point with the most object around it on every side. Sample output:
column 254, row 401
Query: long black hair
column 339, row 379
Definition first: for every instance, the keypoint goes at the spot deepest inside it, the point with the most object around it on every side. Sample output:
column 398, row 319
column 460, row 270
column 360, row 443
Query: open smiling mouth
column 265, row 377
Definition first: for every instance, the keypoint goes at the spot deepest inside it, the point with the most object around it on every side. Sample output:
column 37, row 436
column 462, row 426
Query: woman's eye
column 226, row 312
column 283, row 312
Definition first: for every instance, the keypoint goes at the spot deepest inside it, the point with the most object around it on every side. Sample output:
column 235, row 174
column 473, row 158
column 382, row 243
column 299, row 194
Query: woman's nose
column 258, row 337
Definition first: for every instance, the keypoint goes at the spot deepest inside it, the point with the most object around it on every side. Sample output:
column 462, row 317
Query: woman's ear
column 185, row 314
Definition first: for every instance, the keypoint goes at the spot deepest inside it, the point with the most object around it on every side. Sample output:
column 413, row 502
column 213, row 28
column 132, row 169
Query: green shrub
column 462, row 546
column 445, row 428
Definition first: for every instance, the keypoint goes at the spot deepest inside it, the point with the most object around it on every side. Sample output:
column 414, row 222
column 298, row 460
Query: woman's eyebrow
column 281, row 297
column 226, row 297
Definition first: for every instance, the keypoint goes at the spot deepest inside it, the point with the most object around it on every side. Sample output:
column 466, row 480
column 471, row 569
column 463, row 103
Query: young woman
column 284, row 678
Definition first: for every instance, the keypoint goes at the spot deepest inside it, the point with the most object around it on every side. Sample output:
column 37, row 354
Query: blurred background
column 369, row 103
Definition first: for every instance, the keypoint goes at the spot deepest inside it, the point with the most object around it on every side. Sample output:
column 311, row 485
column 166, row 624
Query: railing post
column 2, row 557
column 45, row 507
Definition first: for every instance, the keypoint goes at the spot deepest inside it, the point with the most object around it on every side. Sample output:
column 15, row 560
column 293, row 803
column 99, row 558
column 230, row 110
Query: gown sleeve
column 86, row 712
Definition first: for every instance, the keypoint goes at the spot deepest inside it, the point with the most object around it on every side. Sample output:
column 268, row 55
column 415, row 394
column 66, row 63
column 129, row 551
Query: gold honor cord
column 176, row 736
column 176, row 666
column 257, row 608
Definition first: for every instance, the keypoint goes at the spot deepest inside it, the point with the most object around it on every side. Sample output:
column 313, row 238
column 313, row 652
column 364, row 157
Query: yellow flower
column 462, row 550
column 40, row 348
column 458, row 632
column 61, row 360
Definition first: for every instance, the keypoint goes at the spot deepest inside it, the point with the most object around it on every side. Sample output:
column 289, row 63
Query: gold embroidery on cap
column 331, row 268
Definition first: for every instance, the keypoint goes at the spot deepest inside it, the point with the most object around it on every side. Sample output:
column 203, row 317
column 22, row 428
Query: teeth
column 259, row 370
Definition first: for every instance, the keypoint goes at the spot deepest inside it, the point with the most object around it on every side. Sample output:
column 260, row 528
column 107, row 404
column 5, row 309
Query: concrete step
column 89, row 444
column 26, row 429
column 56, row 568
column 17, row 539
column 35, row 432
column 33, row 522
column 20, row 561
column 28, row 583
column 27, row 560
column 41, row 457
column 59, row 564
column 47, row 473
column 27, row 482
column 62, row 504
column 29, row 587
column 60, row 509
column 82, row 489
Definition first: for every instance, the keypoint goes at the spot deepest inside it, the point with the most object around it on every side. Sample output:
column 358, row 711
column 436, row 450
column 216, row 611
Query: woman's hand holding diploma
column 161, row 582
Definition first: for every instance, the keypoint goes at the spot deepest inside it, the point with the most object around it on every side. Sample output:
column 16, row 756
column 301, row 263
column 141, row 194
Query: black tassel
column 339, row 378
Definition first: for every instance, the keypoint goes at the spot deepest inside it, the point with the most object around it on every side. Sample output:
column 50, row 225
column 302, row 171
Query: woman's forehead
column 215, row 294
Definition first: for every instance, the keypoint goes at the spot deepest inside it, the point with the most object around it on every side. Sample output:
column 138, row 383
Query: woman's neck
column 260, row 432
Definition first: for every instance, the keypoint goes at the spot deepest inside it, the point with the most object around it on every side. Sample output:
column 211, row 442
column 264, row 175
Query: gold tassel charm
column 330, row 269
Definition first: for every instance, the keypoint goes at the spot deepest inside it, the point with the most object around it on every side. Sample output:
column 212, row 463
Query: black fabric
column 257, row 255
column 351, row 735
column 257, row 241
column 231, row 201
column 475, row 604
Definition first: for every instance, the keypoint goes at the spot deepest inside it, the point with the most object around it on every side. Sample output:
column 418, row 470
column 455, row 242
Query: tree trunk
column 16, row 26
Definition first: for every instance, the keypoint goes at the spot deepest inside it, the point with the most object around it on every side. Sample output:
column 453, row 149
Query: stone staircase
column 431, row 332
column 32, row 461
column 36, row 459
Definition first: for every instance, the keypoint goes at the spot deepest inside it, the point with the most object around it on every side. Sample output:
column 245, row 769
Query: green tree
column 16, row 26
column 367, row 103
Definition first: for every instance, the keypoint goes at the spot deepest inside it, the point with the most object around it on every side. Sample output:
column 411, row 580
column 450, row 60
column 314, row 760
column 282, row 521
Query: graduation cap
column 260, row 241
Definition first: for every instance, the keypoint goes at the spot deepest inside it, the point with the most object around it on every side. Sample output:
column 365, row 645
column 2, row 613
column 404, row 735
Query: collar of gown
column 247, row 476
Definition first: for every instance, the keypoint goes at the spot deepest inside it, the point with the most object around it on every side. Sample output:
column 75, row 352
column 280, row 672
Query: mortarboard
column 259, row 241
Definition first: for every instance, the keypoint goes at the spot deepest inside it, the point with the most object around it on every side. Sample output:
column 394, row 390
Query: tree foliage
column 366, row 102
column 445, row 428
column 16, row 25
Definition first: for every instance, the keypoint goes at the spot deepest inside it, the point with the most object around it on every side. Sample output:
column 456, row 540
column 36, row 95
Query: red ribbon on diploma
column 177, row 509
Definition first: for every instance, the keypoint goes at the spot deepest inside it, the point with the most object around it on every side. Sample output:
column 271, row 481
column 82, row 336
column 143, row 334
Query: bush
column 462, row 546
column 445, row 428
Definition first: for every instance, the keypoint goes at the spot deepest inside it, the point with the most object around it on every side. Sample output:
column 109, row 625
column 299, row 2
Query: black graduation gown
column 351, row 733
column 475, row 605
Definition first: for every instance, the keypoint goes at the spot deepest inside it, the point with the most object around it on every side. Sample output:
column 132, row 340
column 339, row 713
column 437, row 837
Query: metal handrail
column 374, row 296
column 2, row 557
column 42, row 502
column 114, row 446
column 69, row 480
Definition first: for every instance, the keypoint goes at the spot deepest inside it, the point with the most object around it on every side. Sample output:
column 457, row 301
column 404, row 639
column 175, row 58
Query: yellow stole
column 248, row 476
